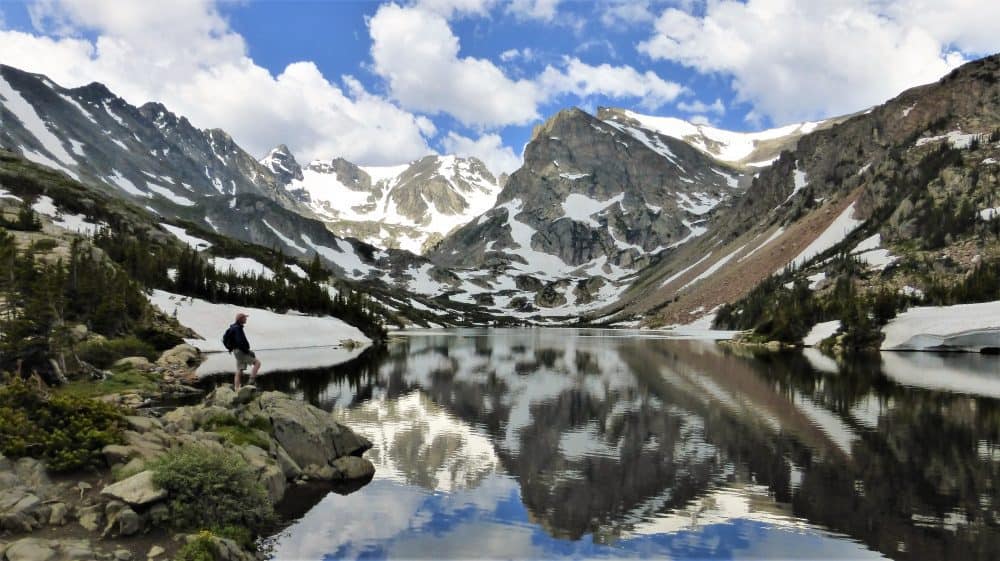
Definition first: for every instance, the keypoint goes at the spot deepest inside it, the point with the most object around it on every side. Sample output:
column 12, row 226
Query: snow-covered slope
column 405, row 206
column 274, row 337
column 965, row 327
column 749, row 148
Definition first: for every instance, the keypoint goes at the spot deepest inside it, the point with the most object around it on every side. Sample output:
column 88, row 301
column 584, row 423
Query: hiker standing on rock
column 235, row 341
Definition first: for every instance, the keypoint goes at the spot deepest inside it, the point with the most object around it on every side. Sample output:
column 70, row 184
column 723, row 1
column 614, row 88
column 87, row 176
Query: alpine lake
column 561, row 443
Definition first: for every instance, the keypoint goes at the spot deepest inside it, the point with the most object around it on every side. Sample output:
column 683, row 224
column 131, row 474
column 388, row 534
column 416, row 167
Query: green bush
column 66, row 431
column 199, row 549
column 238, row 433
column 209, row 488
column 103, row 354
column 160, row 339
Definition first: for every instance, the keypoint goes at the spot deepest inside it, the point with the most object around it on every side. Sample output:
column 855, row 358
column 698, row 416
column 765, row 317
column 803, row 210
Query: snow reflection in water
column 553, row 444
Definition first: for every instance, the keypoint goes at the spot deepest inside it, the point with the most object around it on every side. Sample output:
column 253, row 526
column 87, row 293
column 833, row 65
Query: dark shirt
column 240, row 338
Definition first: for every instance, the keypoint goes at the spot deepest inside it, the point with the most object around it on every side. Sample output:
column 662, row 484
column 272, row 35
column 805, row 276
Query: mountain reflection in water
column 584, row 443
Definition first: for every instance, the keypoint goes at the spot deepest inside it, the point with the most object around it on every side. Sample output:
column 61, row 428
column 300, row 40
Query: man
column 244, row 356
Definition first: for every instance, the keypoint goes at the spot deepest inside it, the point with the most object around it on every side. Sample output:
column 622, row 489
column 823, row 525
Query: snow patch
column 285, row 239
column 169, row 195
column 821, row 331
column 265, row 329
column 959, row 327
column 192, row 241
column 241, row 266
column 843, row 225
column 715, row 267
column 580, row 208
column 774, row 235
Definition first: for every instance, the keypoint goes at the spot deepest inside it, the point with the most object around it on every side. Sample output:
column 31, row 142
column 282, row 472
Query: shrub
column 160, row 339
column 238, row 433
column 201, row 548
column 208, row 488
column 103, row 354
column 66, row 431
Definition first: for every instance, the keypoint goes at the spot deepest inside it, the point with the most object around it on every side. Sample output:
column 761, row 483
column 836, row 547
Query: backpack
column 229, row 338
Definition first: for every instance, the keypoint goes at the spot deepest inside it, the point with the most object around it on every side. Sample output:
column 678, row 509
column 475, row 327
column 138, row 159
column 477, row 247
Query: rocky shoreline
column 119, row 513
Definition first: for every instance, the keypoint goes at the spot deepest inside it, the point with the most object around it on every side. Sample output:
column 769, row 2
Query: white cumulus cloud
column 418, row 55
column 804, row 60
column 489, row 148
column 184, row 54
column 583, row 80
column 544, row 10
column 716, row 107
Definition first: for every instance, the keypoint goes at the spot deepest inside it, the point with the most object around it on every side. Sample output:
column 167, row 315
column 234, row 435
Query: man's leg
column 236, row 381
column 256, row 368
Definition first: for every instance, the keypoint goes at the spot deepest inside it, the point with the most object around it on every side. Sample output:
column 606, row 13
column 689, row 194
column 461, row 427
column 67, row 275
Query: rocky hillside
column 411, row 206
column 907, row 190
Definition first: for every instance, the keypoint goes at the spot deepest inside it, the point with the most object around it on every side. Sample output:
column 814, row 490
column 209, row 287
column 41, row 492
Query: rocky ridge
column 869, row 186
column 410, row 206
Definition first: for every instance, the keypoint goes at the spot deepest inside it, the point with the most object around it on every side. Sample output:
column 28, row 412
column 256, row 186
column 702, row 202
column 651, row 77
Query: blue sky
column 382, row 83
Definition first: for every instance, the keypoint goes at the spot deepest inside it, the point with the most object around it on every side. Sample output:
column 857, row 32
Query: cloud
column 184, row 54
column 543, row 10
column 625, row 13
column 584, row 80
column 452, row 8
column 417, row 54
column 526, row 54
column 717, row 107
column 804, row 60
column 489, row 148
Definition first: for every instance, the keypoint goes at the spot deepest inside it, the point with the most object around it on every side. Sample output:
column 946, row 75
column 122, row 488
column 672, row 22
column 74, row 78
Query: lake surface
column 541, row 444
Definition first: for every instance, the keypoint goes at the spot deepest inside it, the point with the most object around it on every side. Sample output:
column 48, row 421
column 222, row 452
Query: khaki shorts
column 243, row 360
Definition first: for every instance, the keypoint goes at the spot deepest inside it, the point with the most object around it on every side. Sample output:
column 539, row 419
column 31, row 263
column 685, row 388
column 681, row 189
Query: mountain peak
column 282, row 164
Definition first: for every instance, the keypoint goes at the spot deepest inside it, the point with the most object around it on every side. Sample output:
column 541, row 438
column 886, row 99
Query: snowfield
column 834, row 234
column 271, row 335
column 965, row 327
column 820, row 331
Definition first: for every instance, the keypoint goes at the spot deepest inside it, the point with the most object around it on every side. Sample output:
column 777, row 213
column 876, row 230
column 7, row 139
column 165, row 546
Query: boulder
column 21, row 510
column 32, row 473
column 181, row 355
column 143, row 424
column 308, row 434
column 155, row 551
column 136, row 490
column 137, row 362
column 245, row 395
column 123, row 522
column 58, row 512
column 91, row 517
column 223, row 396
column 118, row 453
column 352, row 467
column 31, row 549
column 159, row 514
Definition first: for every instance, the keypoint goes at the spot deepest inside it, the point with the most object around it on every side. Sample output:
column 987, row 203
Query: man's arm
column 241, row 341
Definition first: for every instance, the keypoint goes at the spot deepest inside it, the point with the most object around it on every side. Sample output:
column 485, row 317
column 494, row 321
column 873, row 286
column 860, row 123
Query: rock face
column 592, row 189
column 144, row 153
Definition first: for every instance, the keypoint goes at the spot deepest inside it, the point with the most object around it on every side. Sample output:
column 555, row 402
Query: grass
column 238, row 433
column 121, row 381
